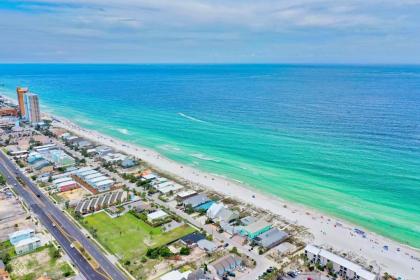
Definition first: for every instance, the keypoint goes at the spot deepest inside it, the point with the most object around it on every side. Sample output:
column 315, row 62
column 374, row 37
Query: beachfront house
column 248, row 220
column 198, row 202
column 128, row 163
column 185, row 194
column 103, row 150
column 271, row 238
column 220, row 213
column 340, row 265
column 113, row 157
column 256, row 228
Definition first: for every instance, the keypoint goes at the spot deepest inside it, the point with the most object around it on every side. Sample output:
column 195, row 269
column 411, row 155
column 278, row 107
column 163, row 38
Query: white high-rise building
column 32, row 112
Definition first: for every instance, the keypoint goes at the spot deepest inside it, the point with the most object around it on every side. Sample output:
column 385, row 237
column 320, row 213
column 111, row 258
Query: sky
column 210, row 31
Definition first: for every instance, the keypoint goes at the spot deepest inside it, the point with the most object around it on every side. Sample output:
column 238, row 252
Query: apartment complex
column 343, row 267
column 21, row 99
column 100, row 202
column 28, row 105
column 93, row 180
column 32, row 112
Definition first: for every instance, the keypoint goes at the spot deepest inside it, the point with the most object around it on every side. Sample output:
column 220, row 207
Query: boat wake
column 192, row 118
column 204, row 157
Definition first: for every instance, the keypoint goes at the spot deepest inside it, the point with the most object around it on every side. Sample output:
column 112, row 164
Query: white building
column 220, row 213
column 27, row 245
column 175, row 275
column 32, row 111
column 341, row 266
column 157, row 215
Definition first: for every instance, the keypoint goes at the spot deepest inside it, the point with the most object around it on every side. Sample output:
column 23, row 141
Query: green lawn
column 129, row 237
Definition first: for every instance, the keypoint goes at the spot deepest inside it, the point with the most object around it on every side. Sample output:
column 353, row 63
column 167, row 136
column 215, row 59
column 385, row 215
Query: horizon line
column 219, row 63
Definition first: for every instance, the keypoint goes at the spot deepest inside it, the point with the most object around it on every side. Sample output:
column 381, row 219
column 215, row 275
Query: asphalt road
column 63, row 230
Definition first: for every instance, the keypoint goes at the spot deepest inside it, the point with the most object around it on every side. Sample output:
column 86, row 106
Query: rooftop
column 159, row 214
column 186, row 193
column 256, row 226
column 175, row 275
column 193, row 237
column 21, row 232
column 271, row 237
column 196, row 200
column 341, row 261
column 27, row 241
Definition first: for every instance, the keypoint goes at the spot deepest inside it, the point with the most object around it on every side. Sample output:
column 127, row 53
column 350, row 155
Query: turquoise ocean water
column 341, row 139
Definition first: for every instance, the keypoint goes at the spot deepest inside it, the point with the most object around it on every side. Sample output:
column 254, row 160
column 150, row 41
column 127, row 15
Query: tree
column 189, row 209
column 185, row 251
column 5, row 257
column 330, row 266
column 152, row 253
column 165, row 252
column 54, row 253
column 2, row 180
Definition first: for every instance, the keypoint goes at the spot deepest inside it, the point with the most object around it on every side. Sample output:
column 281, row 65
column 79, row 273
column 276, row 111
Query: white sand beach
column 398, row 259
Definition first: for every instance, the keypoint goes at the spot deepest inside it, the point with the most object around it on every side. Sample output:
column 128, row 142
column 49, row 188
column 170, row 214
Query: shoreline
column 326, row 230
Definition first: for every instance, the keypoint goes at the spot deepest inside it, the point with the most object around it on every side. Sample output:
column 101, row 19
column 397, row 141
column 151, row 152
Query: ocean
column 341, row 139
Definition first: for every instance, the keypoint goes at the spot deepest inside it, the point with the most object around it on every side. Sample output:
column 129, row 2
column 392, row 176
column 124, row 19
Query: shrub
column 185, row 251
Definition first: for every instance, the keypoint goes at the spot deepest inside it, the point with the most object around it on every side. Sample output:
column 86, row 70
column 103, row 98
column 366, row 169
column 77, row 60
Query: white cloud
column 134, row 25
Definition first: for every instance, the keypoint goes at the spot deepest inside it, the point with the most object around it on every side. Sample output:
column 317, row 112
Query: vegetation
column 2, row 180
column 154, row 253
column 44, row 261
column 185, row 251
column 234, row 250
column 189, row 209
column 54, row 253
column 130, row 177
column 128, row 236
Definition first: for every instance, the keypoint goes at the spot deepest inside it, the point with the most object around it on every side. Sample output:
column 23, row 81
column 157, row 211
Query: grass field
column 129, row 237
